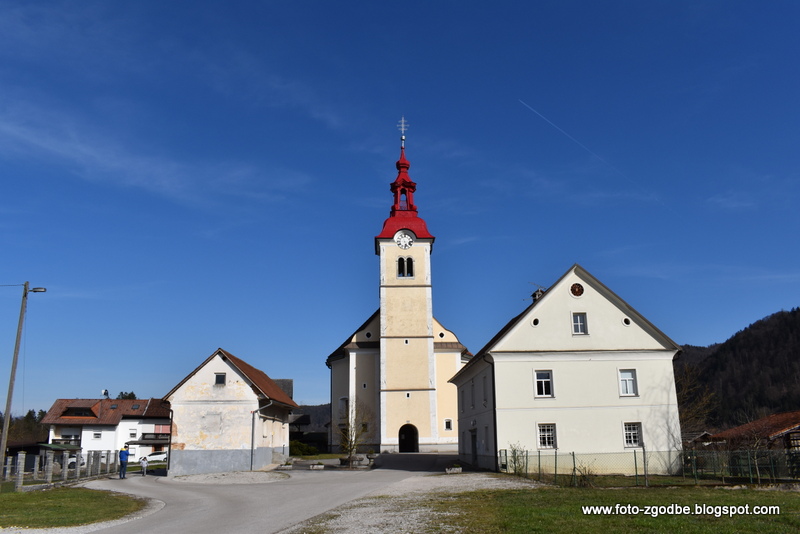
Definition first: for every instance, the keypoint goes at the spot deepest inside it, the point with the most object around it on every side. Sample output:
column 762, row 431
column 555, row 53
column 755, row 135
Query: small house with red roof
column 227, row 416
column 109, row 424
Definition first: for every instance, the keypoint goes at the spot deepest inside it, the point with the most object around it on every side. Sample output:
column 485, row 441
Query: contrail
column 554, row 125
column 619, row 172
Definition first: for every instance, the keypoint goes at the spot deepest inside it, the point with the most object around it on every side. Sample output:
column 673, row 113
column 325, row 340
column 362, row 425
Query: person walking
column 143, row 462
column 123, row 461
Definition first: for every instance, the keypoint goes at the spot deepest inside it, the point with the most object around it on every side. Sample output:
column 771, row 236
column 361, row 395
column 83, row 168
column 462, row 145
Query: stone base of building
column 197, row 462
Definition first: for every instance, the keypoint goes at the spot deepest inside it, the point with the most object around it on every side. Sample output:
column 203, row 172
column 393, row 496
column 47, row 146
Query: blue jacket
column 123, row 455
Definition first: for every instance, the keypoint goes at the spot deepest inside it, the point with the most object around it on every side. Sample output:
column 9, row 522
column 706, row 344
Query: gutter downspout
column 169, row 453
column 253, row 431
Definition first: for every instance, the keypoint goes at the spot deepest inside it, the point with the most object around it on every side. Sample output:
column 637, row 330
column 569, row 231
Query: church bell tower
column 389, row 378
column 407, row 363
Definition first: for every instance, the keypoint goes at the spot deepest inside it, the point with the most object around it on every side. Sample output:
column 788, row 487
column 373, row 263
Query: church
column 389, row 379
column 402, row 382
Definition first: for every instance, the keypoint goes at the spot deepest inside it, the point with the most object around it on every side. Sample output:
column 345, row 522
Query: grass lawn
column 64, row 507
column 554, row 510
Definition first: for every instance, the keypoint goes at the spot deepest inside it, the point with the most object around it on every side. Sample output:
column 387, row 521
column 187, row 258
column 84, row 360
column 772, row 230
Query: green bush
column 297, row 448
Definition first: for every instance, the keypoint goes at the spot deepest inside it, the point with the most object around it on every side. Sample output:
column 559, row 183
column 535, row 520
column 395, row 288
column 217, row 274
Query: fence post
column 78, row 462
column 539, row 455
column 574, row 471
column 749, row 466
column 694, row 466
column 48, row 466
column 772, row 474
column 555, row 468
column 20, row 471
column 635, row 468
column 527, row 462
column 64, row 465
column 644, row 465
column 6, row 467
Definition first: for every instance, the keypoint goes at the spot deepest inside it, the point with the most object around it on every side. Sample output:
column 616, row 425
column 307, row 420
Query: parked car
column 71, row 461
column 156, row 457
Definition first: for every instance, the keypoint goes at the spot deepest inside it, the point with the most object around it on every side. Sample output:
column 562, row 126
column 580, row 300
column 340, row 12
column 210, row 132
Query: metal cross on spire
column 402, row 126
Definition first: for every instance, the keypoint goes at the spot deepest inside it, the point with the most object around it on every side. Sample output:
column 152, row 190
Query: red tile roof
column 769, row 427
column 103, row 411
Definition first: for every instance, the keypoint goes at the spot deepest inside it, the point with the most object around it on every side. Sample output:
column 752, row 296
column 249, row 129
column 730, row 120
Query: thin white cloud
column 47, row 133
column 236, row 73
column 732, row 201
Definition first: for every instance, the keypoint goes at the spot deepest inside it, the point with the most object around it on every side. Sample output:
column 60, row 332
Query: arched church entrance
column 408, row 438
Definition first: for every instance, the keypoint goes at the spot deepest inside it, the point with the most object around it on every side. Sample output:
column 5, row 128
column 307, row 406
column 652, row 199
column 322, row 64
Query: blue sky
column 184, row 176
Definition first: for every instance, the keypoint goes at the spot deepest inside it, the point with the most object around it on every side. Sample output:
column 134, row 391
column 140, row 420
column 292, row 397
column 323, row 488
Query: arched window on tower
column 403, row 200
column 405, row 267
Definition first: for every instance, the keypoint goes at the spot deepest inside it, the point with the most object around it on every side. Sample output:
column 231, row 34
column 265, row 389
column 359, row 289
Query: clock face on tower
column 403, row 240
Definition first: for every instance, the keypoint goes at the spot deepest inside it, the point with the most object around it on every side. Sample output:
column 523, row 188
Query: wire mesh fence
column 639, row 467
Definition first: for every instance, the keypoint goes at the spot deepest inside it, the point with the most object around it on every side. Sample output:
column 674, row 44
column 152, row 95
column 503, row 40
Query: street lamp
column 7, row 414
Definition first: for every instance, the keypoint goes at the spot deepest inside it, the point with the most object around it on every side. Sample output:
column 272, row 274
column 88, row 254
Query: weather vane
column 402, row 126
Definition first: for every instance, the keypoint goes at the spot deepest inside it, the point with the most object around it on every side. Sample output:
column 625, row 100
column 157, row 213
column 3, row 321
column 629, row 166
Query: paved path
column 263, row 508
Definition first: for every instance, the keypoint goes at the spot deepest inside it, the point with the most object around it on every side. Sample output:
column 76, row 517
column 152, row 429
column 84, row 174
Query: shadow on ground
column 416, row 461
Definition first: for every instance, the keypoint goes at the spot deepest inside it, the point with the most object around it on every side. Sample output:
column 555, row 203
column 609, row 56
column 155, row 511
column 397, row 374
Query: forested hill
column 754, row 373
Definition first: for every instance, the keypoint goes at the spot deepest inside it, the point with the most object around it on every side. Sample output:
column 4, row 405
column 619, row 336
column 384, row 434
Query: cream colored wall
column 367, row 398
column 447, row 364
column 475, row 416
column 588, row 408
column 554, row 330
column 408, row 364
column 406, row 311
column 408, row 407
column 340, row 387
column 419, row 252
column 274, row 424
column 206, row 416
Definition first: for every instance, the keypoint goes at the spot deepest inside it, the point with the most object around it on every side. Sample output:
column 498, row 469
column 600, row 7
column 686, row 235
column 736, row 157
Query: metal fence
column 639, row 467
column 34, row 471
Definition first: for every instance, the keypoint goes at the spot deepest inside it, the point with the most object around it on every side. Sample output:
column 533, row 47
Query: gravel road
column 402, row 507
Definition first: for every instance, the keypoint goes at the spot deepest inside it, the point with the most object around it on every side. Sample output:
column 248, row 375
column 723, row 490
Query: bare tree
column 355, row 429
column 696, row 401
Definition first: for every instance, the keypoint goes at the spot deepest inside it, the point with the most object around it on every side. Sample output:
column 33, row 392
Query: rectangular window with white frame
column 547, row 435
column 544, row 383
column 579, row 325
column 627, row 383
column 632, row 434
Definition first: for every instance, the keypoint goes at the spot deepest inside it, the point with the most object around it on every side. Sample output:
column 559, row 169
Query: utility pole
column 7, row 413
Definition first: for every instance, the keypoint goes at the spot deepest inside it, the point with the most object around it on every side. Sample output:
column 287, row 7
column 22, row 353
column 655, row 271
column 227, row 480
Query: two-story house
column 579, row 371
column 110, row 424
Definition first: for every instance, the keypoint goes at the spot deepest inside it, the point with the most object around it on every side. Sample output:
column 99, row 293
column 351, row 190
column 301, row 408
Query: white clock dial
column 403, row 240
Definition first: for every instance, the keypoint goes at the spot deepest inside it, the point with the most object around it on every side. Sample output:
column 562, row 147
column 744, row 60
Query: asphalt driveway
column 261, row 507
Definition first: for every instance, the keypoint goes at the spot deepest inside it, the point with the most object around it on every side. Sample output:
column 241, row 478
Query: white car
column 156, row 457
column 72, row 460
